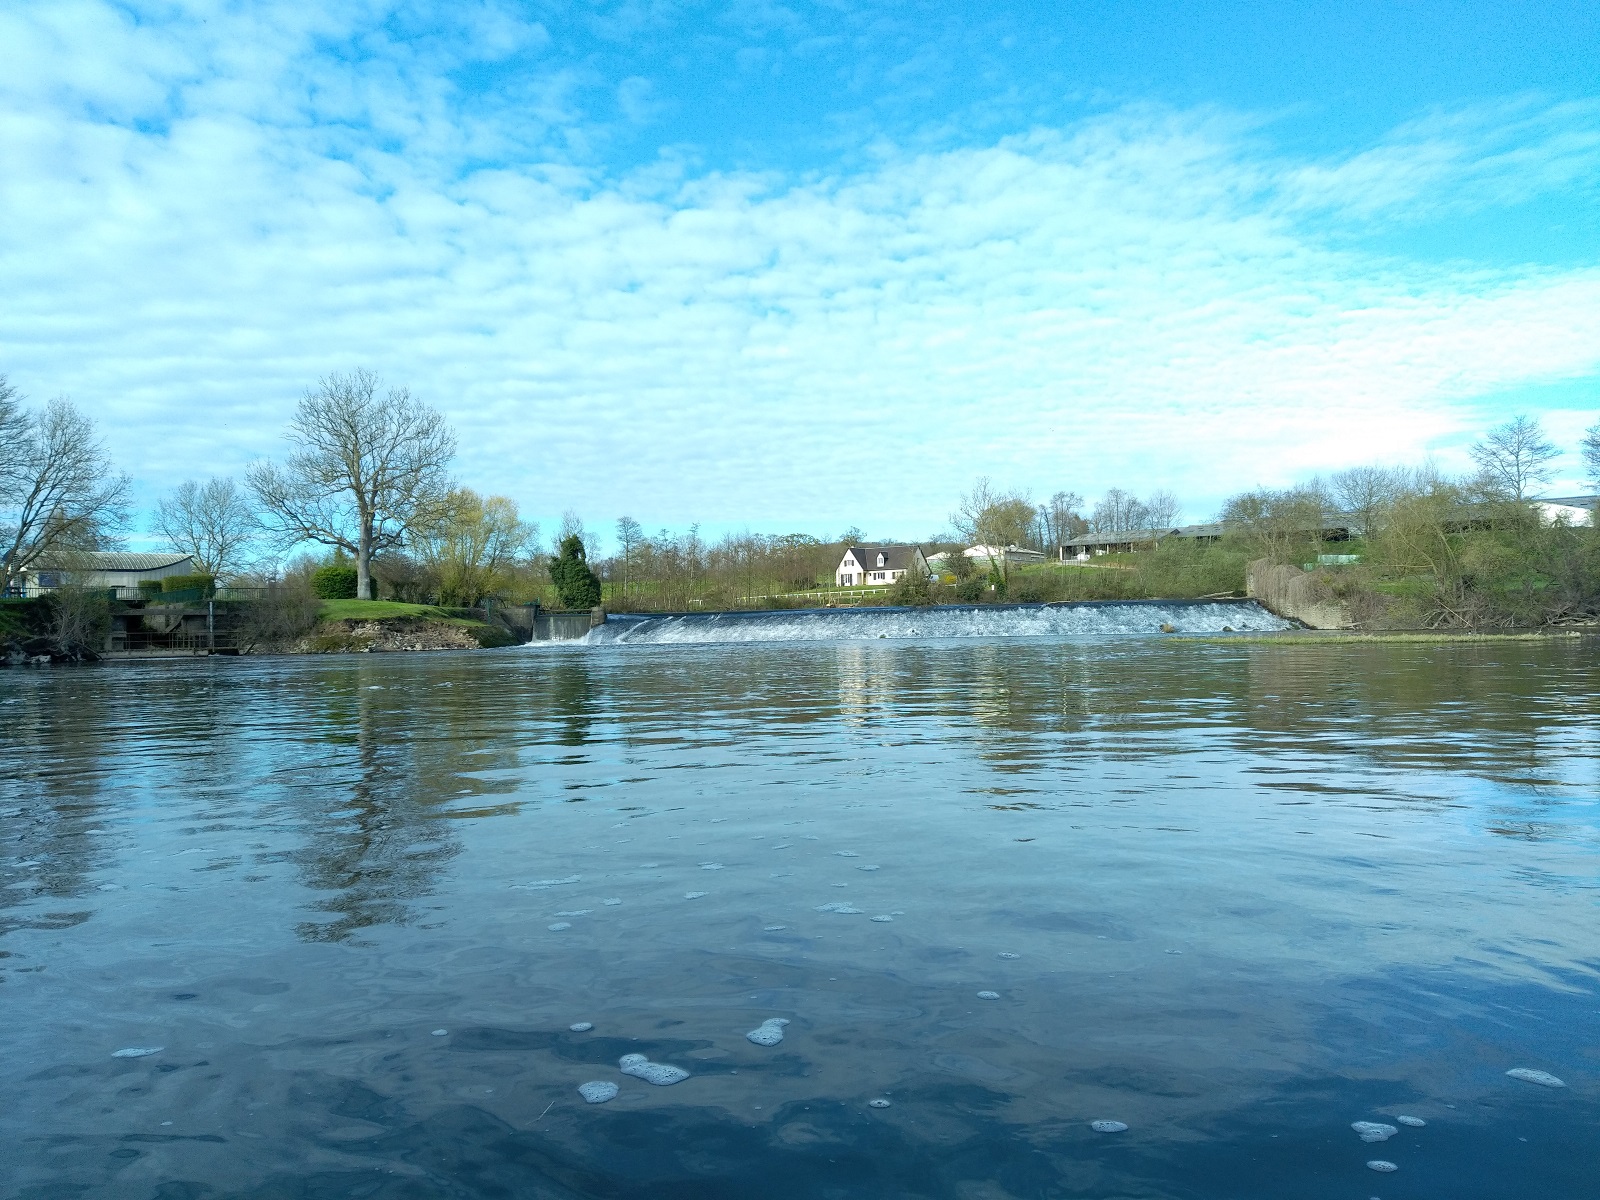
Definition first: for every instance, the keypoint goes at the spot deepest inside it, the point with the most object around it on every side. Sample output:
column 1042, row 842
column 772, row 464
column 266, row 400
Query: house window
column 881, row 560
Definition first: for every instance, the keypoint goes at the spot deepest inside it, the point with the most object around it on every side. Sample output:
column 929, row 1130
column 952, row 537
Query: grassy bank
column 359, row 625
column 1318, row 637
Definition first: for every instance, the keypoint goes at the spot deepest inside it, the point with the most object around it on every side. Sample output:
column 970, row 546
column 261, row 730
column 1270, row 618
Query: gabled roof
column 1569, row 501
column 103, row 560
column 895, row 558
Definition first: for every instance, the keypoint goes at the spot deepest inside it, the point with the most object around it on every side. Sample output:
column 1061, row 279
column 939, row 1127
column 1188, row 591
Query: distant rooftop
column 106, row 560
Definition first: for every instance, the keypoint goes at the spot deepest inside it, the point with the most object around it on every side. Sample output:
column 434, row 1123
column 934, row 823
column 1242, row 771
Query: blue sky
column 805, row 266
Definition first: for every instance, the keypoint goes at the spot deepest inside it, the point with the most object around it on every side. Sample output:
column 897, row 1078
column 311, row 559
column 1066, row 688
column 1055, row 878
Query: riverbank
column 383, row 626
column 1344, row 637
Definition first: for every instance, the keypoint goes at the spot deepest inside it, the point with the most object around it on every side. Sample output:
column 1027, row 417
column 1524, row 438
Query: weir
column 1110, row 618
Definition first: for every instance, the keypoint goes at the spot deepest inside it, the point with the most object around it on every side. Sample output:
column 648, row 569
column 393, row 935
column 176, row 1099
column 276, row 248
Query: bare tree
column 629, row 535
column 1119, row 512
column 1590, row 449
column 988, row 517
column 369, row 470
column 212, row 522
column 58, row 491
column 1515, row 456
column 1161, row 512
column 1061, row 519
column 1366, row 493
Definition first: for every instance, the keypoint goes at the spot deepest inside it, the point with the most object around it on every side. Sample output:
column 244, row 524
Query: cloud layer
column 204, row 215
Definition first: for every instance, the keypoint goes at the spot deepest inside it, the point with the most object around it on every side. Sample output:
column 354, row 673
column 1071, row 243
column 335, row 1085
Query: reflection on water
column 1235, row 897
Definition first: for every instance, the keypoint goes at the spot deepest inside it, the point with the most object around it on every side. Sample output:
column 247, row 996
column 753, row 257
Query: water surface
column 1254, row 893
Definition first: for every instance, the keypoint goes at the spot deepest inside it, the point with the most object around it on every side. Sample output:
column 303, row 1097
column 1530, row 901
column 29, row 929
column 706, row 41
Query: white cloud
column 1146, row 299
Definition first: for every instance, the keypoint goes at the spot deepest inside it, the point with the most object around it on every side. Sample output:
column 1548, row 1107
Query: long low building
column 102, row 569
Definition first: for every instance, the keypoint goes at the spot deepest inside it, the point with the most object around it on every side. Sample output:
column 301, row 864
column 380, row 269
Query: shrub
column 912, row 590
column 576, row 586
column 205, row 584
column 970, row 590
column 334, row 582
column 280, row 615
column 149, row 588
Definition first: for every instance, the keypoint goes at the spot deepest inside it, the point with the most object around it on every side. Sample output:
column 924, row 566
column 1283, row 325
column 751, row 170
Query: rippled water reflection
column 1236, row 897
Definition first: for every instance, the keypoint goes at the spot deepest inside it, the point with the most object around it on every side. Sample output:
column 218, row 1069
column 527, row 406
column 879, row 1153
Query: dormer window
column 881, row 560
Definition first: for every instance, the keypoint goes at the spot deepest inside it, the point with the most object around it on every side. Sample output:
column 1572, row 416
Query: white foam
column 581, row 1026
column 1414, row 1122
column 869, row 867
column 612, row 900
column 575, row 912
column 558, row 926
column 988, row 995
column 1529, row 1075
column 838, row 908
column 768, row 1033
column 598, row 1091
column 659, row 1074
column 1108, row 1126
column 846, row 854
column 772, row 928
column 1379, row 1164
column 878, row 1103
column 1007, row 954
column 711, row 866
column 541, row 884
column 440, row 1032
column 137, row 1051
column 1374, row 1131
column 883, row 920
column 694, row 895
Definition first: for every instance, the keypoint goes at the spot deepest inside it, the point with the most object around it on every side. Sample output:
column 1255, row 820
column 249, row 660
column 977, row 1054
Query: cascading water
column 1090, row 619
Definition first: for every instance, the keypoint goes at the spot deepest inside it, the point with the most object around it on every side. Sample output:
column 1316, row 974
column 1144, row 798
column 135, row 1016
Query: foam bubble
column 785, row 846
column 837, row 908
column 880, row 1103
column 558, row 926
column 598, row 1091
column 612, row 900
column 988, row 995
column 868, row 867
column 1529, row 1075
column 773, row 928
column 1374, row 1131
column 1006, row 954
column 694, row 895
column 711, row 866
column 768, row 1033
column 440, row 1032
column 883, row 920
column 137, row 1051
column 659, row 1074
column 1379, row 1164
column 541, row 884
column 846, row 854
column 1108, row 1126
column 581, row 1026
column 1414, row 1122
column 575, row 912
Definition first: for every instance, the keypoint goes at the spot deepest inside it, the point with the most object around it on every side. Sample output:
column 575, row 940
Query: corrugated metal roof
column 896, row 558
column 106, row 560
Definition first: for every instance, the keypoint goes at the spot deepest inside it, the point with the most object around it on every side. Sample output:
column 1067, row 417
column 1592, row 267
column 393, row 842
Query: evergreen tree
column 576, row 586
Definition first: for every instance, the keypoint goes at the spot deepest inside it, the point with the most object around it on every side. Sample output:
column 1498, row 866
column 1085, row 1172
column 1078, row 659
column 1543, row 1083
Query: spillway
column 1123, row 618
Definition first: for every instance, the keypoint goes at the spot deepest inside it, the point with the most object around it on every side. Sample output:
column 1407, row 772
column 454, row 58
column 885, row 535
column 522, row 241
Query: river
column 1234, row 897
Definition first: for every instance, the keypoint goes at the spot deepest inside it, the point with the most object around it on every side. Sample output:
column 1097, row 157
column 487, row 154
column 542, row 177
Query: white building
column 876, row 566
column 1574, row 510
column 101, row 569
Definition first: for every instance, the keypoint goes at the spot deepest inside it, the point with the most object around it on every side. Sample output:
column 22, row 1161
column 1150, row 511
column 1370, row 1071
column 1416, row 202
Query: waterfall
column 1118, row 618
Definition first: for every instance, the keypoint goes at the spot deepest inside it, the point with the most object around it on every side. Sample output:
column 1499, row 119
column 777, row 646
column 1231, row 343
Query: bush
column 281, row 615
column 912, row 590
column 206, row 585
column 971, row 589
column 576, row 586
column 149, row 588
column 334, row 582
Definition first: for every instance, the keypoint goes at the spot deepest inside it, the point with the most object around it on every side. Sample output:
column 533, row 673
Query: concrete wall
column 1294, row 593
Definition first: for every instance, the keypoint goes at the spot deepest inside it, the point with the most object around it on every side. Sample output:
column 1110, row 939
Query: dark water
column 1255, row 893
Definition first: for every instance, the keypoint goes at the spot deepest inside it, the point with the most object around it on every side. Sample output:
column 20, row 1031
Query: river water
column 1235, row 897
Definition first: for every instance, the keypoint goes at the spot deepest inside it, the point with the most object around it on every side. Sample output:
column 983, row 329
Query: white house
column 875, row 566
column 984, row 556
column 101, row 569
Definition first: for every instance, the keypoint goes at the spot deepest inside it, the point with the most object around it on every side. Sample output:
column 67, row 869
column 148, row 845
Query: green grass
column 1313, row 637
column 378, row 610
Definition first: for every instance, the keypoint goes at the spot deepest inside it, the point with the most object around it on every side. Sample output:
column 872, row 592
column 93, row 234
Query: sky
column 806, row 266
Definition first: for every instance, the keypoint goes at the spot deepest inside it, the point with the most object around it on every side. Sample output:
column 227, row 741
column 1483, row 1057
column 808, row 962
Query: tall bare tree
column 1515, row 456
column 1161, row 511
column 629, row 536
column 987, row 516
column 1367, row 493
column 369, row 470
column 58, row 491
column 1119, row 512
column 212, row 522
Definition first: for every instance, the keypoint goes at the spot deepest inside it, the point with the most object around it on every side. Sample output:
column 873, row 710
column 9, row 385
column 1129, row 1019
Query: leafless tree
column 368, row 471
column 1366, row 493
column 1515, row 456
column 1161, row 511
column 629, row 536
column 1590, row 449
column 1061, row 519
column 58, row 491
column 1119, row 512
column 212, row 522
